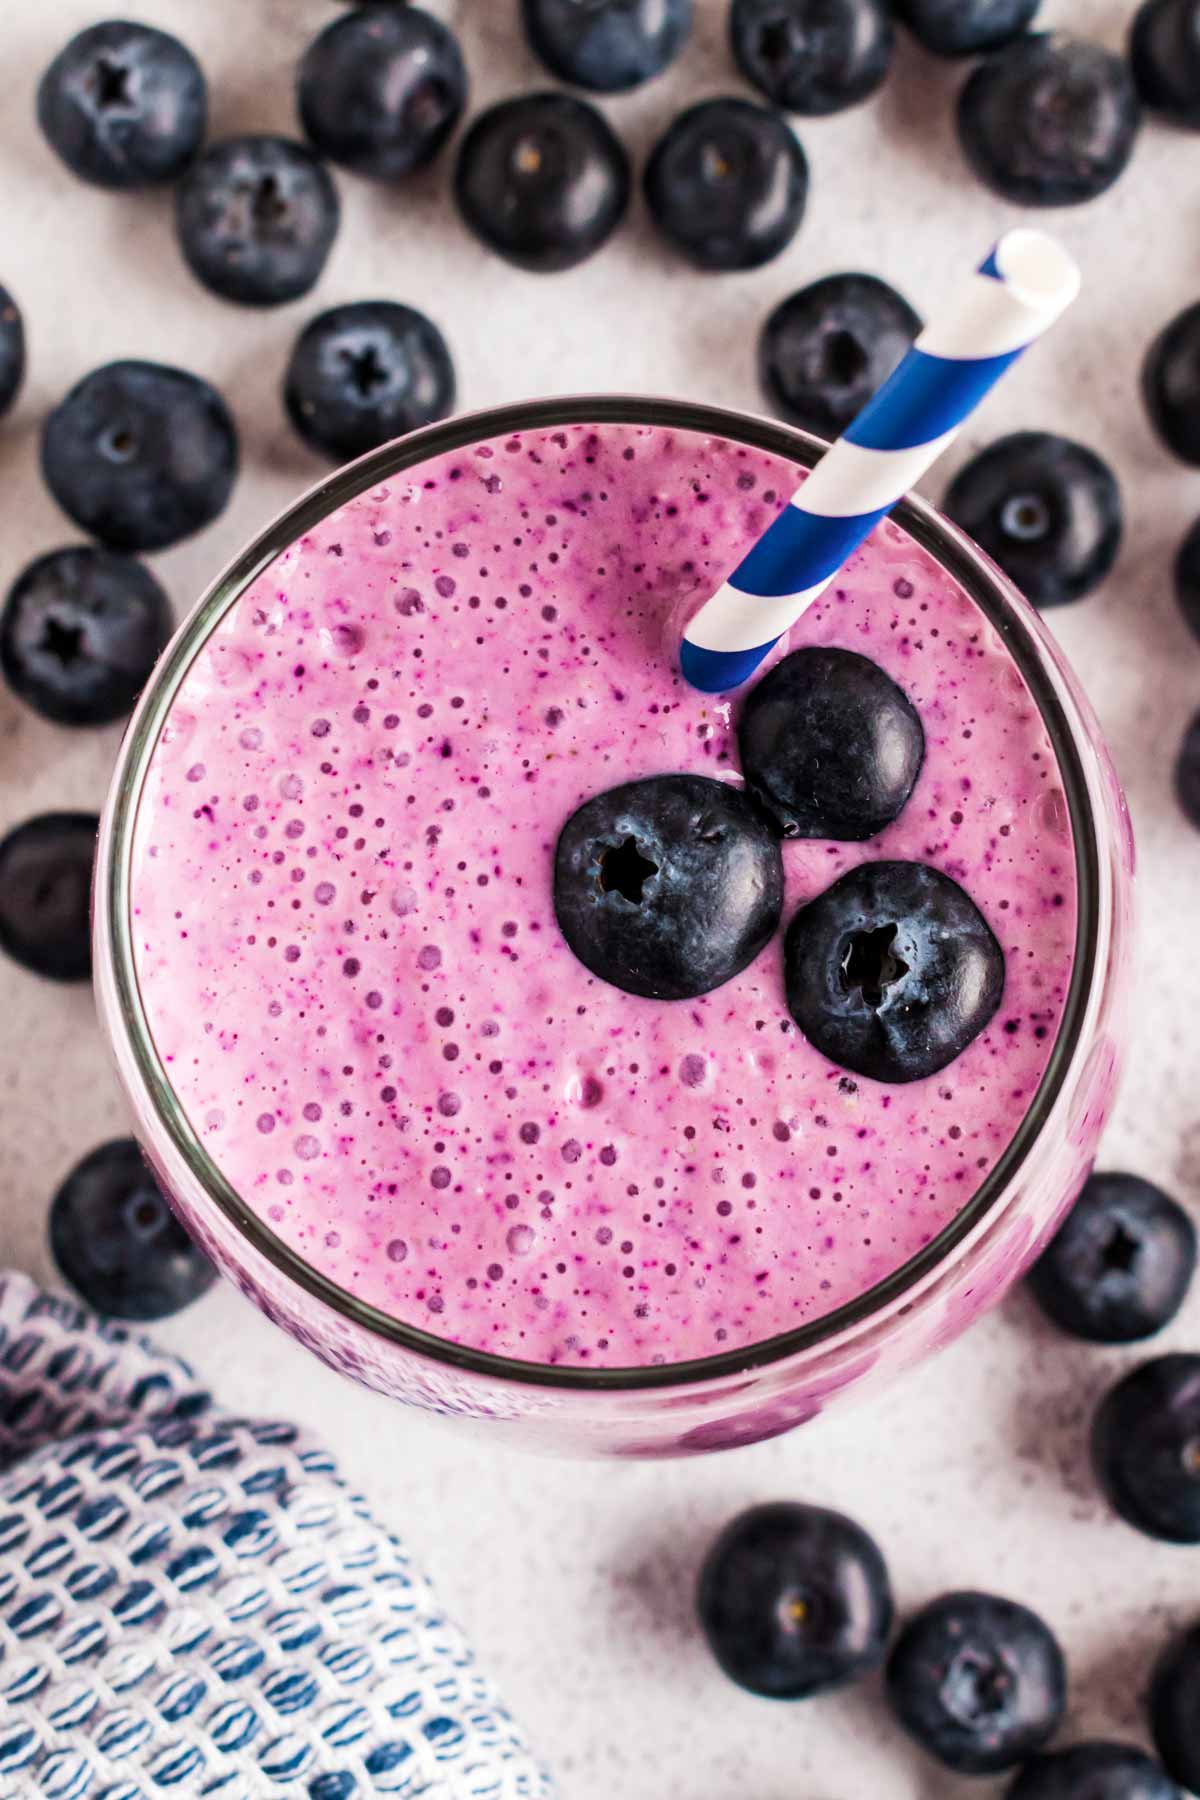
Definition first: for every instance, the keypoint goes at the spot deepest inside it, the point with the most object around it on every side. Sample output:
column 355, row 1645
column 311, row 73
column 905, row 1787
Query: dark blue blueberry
column 256, row 218
column 965, row 27
column 1119, row 1267
column 1164, row 54
column 1146, row 1448
column 826, row 349
column 794, row 1600
column 892, row 971
column 364, row 373
column 12, row 349
column 979, row 1681
column 1050, row 120
column 1171, row 384
column 140, row 455
column 1047, row 509
column 607, row 45
column 381, row 89
column 829, row 745
column 1093, row 1771
column 46, row 892
column 667, row 887
column 1187, row 773
column 543, row 180
column 727, row 184
column 115, row 1239
column 1187, row 579
column 812, row 56
column 80, row 631
column 124, row 105
column 1175, row 1708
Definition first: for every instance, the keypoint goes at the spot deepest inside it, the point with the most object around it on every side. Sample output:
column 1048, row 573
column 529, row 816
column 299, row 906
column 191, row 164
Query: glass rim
column 987, row 586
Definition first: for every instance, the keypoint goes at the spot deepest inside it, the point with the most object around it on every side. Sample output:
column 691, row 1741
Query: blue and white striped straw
column 1016, row 293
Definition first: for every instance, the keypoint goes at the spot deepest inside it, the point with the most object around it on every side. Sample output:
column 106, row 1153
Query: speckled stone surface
column 574, row 1582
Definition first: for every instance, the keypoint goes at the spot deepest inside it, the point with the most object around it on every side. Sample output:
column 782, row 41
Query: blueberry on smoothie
column 979, row 1682
column 1187, row 579
column 12, row 349
column 117, row 1242
column 1119, row 1267
column 45, row 894
column 1050, row 120
column 256, row 218
column 727, row 183
column 140, row 455
column 123, row 105
column 1164, row 54
column 1187, row 773
column 80, row 631
column 1175, row 1707
column 668, row 887
column 825, row 350
column 1098, row 1770
column 1047, row 509
column 543, row 180
column 794, row 1600
column 830, row 745
column 609, row 46
column 1146, row 1448
column 1171, row 384
column 364, row 373
column 965, row 27
column 812, row 56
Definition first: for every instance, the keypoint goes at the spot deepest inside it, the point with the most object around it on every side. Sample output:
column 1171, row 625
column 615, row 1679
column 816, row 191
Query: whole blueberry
column 381, row 89
column 979, row 1681
column 1119, row 1267
column 794, row 1600
column 124, row 105
column 1187, row 773
column 543, row 180
column 45, row 894
column 830, row 746
column 1146, row 1448
column 1093, row 1771
column 812, row 56
column 1171, row 384
column 1175, row 1707
column 727, row 183
column 1047, row 509
column 80, row 631
column 12, row 349
column 256, row 218
column 140, row 455
column 1187, row 578
column 1049, row 121
column 668, row 887
column 826, row 349
column 607, row 45
column 965, row 27
column 115, row 1239
column 362, row 374
column 1164, row 54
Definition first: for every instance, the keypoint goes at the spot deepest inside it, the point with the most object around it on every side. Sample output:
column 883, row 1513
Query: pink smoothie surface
column 346, row 941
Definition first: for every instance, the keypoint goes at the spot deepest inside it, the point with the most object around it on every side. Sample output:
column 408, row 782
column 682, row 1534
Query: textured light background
column 575, row 1580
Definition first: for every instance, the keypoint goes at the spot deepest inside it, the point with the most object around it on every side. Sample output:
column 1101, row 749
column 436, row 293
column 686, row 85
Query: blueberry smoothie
column 365, row 984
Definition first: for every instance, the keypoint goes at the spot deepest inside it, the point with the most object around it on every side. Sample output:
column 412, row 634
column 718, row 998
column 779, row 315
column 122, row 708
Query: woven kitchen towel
column 195, row 1604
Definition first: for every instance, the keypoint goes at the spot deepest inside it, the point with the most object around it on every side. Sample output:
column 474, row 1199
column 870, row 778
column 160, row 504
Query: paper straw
column 1016, row 293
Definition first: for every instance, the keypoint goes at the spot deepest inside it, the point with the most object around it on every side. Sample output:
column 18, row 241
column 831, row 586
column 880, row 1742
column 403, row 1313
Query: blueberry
column 80, row 632
column 1187, row 579
column 381, row 89
column 1175, row 1708
column 364, row 373
column 1120, row 1266
column 1093, row 1771
column 1187, row 773
column 794, row 1600
column 607, row 45
column 1049, row 121
column 812, row 56
column 124, row 105
column 1146, row 1448
column 140, row 455
column 727, row 183
column 965, row 27
column 892, row 971
column 12, row 349
column 115, row 1239
column 1164, row 54
column 1047, row 509
column 667, row 887
column 45, row 894
column 543, row 180
column 979, row 1681
column 826, row 349
column 1171, row 384
column 256, row 218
